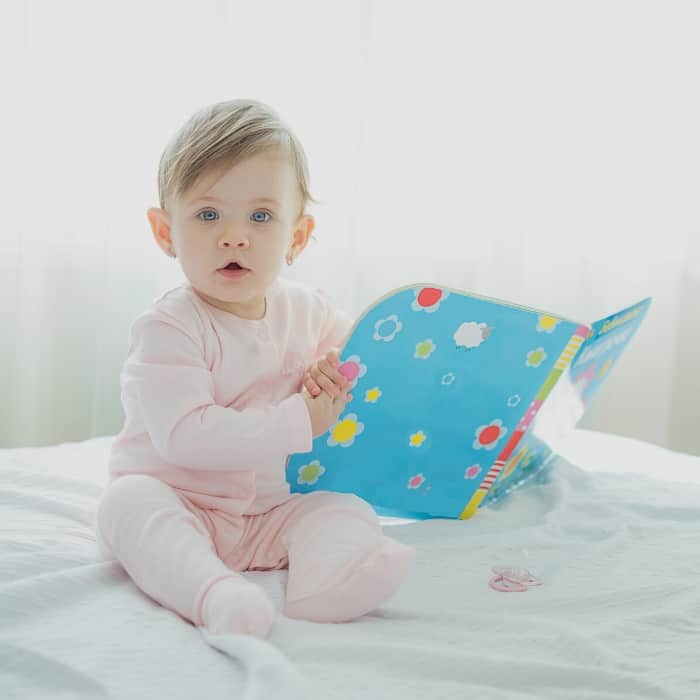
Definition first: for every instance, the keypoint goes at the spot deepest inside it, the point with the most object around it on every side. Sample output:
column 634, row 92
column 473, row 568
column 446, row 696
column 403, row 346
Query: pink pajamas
column 340, row 564
column 197, row 486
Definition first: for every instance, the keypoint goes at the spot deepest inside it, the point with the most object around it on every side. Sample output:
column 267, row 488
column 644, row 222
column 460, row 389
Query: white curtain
column 543, row 152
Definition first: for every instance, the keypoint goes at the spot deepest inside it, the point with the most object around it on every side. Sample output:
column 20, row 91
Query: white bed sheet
column 618, row 615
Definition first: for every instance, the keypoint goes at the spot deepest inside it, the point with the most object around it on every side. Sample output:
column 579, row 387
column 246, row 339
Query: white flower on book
column 535, row 357
column 386, row 328
column 428, row 299
column 488, row 435
column 447, row 379
column 343, row 433
column 310, row 473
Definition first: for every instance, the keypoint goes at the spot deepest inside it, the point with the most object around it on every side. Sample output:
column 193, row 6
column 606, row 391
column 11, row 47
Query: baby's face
column 246, row 214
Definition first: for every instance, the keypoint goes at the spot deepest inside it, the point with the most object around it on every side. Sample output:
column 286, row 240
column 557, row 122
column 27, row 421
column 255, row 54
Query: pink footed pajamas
column 197, row 488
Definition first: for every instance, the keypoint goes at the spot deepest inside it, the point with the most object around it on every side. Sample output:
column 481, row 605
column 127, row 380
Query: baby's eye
column 207, row 218
column 256, row 216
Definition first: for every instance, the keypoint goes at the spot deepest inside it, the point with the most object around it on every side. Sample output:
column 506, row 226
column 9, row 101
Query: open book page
column 442, row 381
column 570, row 397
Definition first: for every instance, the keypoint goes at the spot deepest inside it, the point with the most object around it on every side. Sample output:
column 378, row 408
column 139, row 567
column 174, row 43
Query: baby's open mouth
column 233, row 266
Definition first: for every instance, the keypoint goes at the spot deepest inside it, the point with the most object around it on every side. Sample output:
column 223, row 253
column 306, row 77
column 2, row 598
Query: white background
column 546, row 153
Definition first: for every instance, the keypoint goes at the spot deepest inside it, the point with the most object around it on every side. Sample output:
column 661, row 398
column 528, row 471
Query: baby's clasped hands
column 324, row 375
column 327, row 393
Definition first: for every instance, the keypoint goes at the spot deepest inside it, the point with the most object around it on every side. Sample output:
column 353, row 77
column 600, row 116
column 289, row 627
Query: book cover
column 445, row 386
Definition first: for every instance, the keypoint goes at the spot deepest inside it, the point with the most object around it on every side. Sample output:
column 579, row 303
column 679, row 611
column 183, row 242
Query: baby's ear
column 160, row 227
column 302, row 232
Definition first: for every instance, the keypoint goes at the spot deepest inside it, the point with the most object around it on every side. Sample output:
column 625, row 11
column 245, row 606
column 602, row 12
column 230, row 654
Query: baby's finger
column 325, row 383
column 333, row 356
column 336, row 377
column 344, row 397
column 311, row 386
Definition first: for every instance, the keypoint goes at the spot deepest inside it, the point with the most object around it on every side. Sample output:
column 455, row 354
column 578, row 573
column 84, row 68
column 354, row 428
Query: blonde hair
column 220, row 135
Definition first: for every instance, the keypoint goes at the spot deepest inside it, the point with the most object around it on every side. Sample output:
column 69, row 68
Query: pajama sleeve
column 167, row 377
column 336, row 326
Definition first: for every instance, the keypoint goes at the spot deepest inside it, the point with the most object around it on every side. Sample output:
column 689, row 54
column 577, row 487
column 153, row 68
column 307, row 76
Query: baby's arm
column 174, row 391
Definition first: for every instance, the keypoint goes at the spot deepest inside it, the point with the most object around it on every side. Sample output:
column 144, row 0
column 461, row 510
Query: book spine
column 569, row 352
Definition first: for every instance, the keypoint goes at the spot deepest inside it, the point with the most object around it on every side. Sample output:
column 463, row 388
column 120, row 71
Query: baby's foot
column 370, row 583
column 235, row 606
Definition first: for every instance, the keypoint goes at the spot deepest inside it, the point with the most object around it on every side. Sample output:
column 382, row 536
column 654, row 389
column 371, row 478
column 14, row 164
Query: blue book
column 453, row 397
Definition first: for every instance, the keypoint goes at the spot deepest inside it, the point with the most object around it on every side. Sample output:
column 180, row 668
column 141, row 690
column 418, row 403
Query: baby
column 226, row 376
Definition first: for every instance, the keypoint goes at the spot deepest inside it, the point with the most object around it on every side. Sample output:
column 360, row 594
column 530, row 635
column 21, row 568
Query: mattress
column 614, row 535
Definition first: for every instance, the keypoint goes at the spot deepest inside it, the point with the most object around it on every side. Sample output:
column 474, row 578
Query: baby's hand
column 324, row 375
column 324, row 411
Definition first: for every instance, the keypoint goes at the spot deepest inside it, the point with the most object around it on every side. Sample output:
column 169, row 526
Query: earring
column 289, row 258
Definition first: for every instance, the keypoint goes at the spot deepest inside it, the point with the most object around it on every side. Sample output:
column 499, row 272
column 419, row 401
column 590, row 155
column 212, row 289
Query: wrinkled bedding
column 614, row 535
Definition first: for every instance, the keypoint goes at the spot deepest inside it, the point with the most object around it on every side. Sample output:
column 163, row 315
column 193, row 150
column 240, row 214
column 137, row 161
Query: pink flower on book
column 416, row 481
column 352, row 368
column 472, row 472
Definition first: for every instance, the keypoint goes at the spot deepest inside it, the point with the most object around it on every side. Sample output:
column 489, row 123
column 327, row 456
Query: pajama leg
column 169, row 554
column 341, row 565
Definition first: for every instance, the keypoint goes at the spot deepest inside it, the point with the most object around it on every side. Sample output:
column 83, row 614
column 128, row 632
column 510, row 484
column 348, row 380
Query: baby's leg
column 341, row 565
column 169, row 554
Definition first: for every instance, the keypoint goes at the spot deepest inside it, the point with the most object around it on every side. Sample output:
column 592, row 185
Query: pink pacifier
column 510, row 579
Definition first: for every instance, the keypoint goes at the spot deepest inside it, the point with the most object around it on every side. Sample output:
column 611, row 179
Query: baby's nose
column 231, row 238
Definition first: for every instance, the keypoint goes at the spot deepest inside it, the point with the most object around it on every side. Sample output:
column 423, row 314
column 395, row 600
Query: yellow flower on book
column 343, row 433
column 371, row 395
column 546, row 324
column 417, row 439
